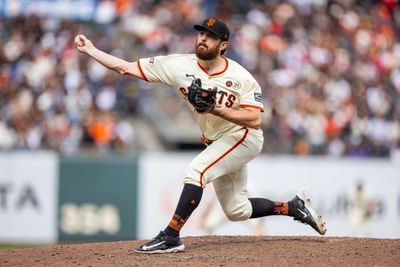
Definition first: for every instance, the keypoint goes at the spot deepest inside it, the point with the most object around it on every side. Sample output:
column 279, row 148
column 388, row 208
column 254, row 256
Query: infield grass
column 15, row 246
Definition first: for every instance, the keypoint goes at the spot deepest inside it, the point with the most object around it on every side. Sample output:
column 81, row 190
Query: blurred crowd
column 329, row 70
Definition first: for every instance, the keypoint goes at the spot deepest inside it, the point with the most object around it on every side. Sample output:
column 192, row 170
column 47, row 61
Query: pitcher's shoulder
column 238, row 68
column 178, row 58
column 186, row 57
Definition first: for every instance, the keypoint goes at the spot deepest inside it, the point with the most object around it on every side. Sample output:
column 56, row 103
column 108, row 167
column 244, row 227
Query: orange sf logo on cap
column 210, row 22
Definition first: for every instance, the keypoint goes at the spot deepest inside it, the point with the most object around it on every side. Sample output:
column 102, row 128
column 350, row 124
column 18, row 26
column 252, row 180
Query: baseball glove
column 203, row 100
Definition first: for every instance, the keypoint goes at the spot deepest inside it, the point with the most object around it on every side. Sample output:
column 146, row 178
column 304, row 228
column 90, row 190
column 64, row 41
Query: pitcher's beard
column 206, row 54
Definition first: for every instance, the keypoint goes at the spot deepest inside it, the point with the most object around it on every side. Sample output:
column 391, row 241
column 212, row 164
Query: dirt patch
column 218, row 251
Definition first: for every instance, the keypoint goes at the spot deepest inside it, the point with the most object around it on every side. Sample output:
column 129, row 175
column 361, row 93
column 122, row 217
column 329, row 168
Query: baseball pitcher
column 227, row 103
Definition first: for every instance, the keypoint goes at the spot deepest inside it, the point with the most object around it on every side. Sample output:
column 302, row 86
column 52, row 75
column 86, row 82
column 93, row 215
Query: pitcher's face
column 208, row 45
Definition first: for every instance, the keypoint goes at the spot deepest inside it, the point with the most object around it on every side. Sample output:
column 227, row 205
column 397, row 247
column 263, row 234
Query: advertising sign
column 330, row 183
column 98, row 198
column 28, row 197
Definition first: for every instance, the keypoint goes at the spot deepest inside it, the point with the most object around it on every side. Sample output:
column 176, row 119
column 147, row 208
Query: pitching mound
column 218, row 251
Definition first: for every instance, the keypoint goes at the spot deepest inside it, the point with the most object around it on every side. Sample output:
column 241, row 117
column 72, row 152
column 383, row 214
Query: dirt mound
column 218, row 251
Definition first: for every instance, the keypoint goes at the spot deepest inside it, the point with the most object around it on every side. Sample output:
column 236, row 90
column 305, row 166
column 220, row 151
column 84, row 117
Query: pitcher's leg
column 231, row 191
column 168, row 240
column 224, row 156
column 299, row 208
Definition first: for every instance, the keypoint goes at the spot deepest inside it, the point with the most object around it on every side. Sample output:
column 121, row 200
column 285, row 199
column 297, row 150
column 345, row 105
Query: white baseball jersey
column 224, row 161
column 236, row 87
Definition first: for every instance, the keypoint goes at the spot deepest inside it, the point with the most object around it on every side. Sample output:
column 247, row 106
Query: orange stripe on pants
column 223, row 155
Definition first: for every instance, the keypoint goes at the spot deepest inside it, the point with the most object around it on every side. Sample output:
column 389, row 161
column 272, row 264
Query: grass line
column 15, row 246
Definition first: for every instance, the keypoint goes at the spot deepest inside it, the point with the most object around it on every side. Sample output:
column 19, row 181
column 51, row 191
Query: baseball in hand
column 78, row 41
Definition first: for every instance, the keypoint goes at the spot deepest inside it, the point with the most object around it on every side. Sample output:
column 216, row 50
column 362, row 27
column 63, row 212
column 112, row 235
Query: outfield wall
column 329, row 183
column 28, row 197
column 97, row 198
column 45, row 199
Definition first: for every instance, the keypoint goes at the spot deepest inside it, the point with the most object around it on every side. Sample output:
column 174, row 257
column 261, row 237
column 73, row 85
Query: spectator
column 330, row 72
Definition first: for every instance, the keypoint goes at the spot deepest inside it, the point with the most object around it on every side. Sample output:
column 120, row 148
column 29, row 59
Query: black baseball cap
column 215, row 26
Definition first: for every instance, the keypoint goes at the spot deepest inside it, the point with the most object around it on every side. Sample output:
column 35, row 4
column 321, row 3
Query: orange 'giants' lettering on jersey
column 224, row 98
column 230, row 101
column 221, row 97
column 183, row 90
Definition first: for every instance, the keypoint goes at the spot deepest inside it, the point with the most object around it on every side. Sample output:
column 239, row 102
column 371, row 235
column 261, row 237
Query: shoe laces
column 161, row 236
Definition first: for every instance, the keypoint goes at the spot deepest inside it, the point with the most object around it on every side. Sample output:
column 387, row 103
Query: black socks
column 190, row 199
column 188, row 202
column 265, row 207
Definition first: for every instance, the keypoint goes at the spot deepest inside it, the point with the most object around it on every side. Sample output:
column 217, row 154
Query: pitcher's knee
column 236, row 216
column 239, row 213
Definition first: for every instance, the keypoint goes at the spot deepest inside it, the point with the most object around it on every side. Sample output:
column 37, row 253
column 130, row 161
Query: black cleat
column 306, row 214
column 162, row 243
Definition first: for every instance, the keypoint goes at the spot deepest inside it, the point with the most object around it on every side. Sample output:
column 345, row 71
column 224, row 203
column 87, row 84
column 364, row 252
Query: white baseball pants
column 224, row 163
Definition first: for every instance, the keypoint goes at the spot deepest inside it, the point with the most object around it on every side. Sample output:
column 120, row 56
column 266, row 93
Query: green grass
column 14, row 246
column 4, row 246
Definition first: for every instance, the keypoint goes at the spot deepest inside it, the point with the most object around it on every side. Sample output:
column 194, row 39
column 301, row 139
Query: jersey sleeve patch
column 258, row 97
